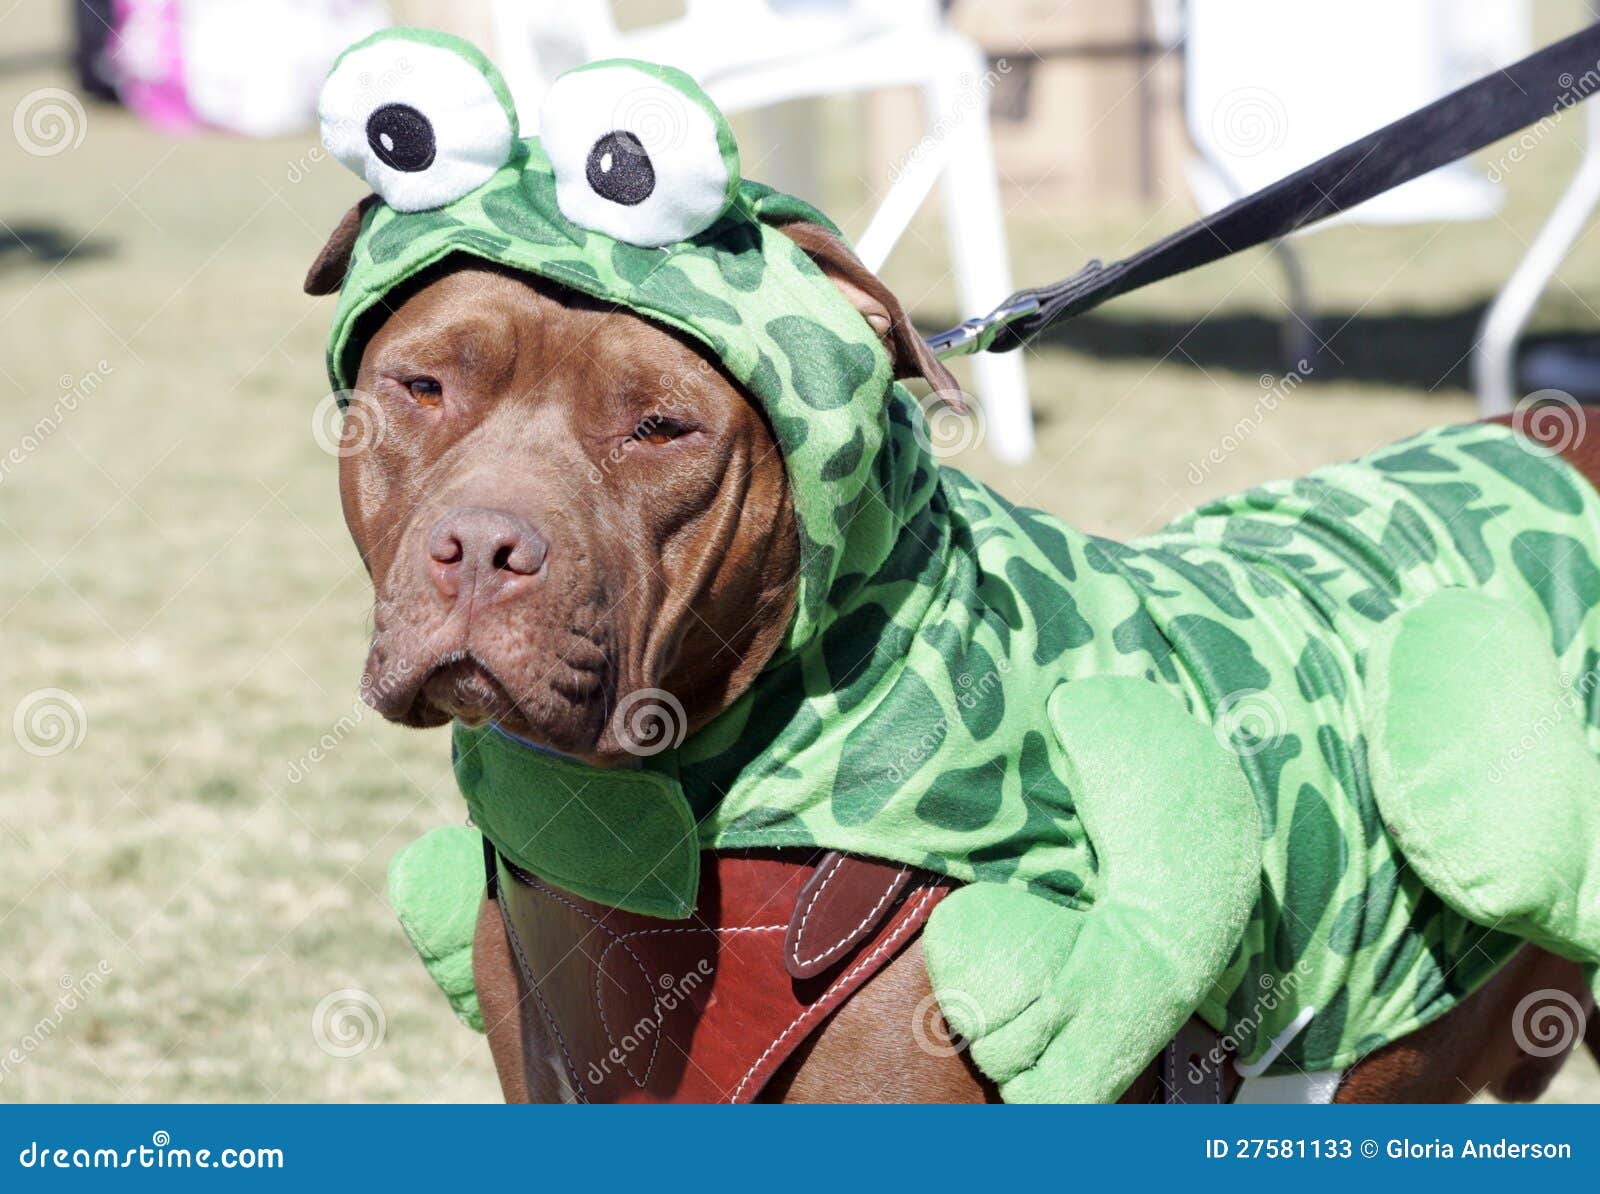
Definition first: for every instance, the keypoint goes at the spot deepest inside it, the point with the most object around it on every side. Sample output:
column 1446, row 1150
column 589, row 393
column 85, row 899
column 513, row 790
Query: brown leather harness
column 635, row 1009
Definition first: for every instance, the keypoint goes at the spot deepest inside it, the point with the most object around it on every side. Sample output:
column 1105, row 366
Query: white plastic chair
column 750, row 55
column 1494, row 363
column 1273, row 86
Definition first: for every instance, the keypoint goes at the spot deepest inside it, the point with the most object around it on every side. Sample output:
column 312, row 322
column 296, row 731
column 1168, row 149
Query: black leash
column 1463, row 122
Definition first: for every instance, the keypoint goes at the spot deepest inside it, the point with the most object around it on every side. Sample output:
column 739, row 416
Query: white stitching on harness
column 621, row 939
column 533, row 985
column 799, row 933
column 910, row 922
column 599, row 1003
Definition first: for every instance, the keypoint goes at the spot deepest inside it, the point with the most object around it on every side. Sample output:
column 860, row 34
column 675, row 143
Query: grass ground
column 186, row 884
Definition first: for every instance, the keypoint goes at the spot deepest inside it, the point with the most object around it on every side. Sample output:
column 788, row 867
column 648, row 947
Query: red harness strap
column 704, row 1010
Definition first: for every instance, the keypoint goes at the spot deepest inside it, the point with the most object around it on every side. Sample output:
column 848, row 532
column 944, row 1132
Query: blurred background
column 196, row 811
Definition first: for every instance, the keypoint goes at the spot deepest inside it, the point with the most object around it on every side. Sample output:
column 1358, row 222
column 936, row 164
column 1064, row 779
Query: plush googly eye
column 423, row 117
column 639, row 152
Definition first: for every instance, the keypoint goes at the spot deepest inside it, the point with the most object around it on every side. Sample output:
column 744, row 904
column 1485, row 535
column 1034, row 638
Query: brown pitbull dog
column 521, row 577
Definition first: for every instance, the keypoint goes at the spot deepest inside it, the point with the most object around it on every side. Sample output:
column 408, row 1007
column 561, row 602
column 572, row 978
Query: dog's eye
column 639, row 152
column 658, row 430
column 424, row 122
column 426, row 391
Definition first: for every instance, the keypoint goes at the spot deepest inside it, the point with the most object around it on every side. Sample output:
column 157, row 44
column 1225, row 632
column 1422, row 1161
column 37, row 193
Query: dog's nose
column 489, row 552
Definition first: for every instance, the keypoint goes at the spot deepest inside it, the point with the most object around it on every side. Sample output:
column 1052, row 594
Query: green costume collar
column 622, row 837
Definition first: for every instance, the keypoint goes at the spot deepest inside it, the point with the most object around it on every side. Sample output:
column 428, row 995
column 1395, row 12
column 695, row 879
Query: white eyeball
column 639, row 153
column 421, row 122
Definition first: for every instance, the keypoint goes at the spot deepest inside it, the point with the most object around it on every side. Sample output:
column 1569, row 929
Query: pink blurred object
column 247, row 66
column 147, row 55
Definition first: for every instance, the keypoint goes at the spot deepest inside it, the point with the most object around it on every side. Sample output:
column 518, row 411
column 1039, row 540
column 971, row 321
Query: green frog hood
column 1166, row 771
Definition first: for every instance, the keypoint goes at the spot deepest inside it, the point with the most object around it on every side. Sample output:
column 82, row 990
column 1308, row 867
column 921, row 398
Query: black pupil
column 619, row 169
column 401, row 137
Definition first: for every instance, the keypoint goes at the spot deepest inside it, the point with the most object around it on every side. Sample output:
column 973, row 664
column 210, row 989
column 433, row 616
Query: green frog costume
column 1313, row 761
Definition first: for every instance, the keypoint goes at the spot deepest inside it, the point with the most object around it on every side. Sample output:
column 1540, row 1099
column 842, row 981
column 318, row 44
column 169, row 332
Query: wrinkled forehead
column 483, row 320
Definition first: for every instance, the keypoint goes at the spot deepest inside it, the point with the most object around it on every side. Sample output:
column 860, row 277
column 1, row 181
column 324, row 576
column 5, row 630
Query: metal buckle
column 978, row 333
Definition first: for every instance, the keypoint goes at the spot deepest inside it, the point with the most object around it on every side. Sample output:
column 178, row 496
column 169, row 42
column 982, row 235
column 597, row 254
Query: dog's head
column 562, row 503
column 610, row 427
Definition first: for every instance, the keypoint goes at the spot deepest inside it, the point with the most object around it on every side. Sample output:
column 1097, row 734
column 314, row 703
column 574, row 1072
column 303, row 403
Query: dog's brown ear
column 327, row 272
column 878, row 306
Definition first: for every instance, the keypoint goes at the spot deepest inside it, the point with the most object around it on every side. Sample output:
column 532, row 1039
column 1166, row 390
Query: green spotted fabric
column 915, row 730
column 908, row 714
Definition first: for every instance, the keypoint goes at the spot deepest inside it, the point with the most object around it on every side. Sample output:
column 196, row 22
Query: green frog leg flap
column 1069, row 1005
column 436, row 887
column 1484, row 774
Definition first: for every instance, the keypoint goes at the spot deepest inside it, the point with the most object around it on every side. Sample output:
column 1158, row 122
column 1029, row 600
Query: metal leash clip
column 979, row 332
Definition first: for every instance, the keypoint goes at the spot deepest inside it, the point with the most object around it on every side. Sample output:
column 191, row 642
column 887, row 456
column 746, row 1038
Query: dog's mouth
column 564, row 709
column 463, row 687
column 458, row 685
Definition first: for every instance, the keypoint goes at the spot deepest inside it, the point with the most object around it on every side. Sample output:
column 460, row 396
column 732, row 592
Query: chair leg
column 1494, row 364
column 957, row 100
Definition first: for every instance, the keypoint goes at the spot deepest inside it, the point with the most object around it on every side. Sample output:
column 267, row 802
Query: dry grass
column 173, row 558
